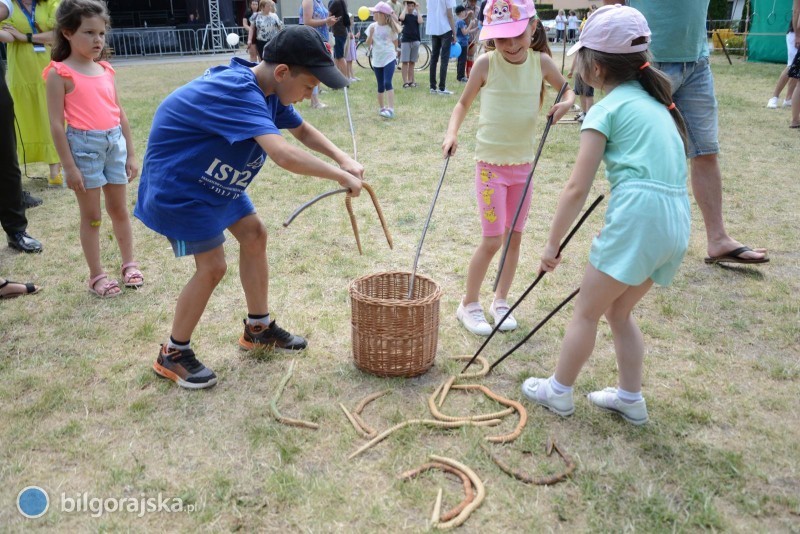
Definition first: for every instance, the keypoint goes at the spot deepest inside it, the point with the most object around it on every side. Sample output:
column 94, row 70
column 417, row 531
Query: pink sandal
column 105, row 291
column 131, row 275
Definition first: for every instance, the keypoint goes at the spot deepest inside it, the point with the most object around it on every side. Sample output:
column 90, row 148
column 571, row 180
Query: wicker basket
column 394, row 335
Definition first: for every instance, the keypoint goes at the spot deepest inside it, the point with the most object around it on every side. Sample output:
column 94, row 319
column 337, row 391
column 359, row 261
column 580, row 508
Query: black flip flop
column 735, row 256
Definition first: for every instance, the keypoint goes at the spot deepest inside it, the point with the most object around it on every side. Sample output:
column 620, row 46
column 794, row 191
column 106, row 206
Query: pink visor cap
column 382, row 7
column 613, row 29
column 506, row 18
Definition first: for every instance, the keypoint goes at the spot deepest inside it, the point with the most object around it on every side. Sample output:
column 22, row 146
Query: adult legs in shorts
column 693, row 93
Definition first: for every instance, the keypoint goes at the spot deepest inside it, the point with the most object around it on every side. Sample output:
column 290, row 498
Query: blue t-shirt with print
column 202, row 155
column 462, row 39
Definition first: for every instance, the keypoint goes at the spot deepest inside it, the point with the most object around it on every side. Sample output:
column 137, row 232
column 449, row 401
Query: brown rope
column 477, row 374
column 465, row 513
column 442, row 417
column 542, row 480
column 430, row 422
column 523, row 414
column 469, row 494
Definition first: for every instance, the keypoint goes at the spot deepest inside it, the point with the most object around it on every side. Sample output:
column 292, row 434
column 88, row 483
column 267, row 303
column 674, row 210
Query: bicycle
column 364, row 56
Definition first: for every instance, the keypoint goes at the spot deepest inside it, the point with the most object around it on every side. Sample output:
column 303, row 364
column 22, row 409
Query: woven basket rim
column 355, row 293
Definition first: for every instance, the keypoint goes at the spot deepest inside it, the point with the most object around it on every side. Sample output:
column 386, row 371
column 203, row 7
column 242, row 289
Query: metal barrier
column 136, row 42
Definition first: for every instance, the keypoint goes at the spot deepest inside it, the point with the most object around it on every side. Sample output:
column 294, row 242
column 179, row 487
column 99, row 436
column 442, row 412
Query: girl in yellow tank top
column 510, row 79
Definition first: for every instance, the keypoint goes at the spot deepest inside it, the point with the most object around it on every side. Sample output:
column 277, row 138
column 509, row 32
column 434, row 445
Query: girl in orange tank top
column 96, row 146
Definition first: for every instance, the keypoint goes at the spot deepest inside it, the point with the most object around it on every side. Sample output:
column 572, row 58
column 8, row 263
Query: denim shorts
column 190, row 248
column 100, row 156
column 693, row 94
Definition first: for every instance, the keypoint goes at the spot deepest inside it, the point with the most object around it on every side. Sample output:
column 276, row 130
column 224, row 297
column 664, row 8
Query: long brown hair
column 539, row 43
column 620, row 68
column 69, row 15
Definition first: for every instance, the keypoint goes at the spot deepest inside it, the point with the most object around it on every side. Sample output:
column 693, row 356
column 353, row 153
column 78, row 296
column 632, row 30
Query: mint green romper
column 646, row 230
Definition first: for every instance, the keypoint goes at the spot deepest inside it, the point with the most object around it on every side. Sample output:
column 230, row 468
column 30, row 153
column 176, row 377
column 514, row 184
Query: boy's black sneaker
column 183, row 368
column 270, row 337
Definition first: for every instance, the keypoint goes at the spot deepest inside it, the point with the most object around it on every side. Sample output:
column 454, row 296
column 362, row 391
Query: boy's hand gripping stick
column 527, row 186
column 530, row 287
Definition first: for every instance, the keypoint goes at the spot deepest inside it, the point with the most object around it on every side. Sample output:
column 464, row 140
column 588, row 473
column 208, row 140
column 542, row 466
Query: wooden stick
column 360, row 408
column 273, row 405
column 353, row 422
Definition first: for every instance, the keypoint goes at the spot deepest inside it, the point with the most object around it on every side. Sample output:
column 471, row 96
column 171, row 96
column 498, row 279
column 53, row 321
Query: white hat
column 613, row 29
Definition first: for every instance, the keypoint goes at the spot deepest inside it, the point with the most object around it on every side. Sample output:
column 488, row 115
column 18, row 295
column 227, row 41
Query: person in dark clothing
column 13, row 200
column 341, row 32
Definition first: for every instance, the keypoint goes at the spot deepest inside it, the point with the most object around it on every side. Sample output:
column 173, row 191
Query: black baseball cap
column 303, row 46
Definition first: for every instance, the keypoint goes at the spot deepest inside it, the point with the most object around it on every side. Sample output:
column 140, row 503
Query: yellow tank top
column 509, row 107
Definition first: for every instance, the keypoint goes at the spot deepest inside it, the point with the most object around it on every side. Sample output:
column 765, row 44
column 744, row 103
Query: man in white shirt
column 441, row 26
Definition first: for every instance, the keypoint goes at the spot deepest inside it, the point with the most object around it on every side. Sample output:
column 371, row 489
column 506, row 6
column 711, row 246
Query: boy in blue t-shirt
column 208, row 141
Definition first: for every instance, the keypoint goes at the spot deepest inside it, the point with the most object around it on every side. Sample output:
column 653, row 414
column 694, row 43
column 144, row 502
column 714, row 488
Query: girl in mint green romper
column 639, row 134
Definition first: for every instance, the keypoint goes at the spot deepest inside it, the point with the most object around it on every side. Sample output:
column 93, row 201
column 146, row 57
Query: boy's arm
column 298, row 161
column 573, row 197
column 477, row 78
column 552, row 74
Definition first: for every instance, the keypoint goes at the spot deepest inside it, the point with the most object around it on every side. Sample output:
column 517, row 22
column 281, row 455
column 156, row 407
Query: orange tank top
column 92, row 104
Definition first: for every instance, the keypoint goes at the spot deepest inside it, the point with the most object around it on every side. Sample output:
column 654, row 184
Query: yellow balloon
column 363, row 12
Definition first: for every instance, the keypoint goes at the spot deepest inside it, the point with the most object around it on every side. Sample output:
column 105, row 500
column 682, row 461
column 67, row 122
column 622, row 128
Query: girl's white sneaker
column 498, row 310
column 633, row 412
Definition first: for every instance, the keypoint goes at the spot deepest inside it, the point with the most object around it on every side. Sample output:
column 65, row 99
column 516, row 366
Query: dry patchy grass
column 81, row 410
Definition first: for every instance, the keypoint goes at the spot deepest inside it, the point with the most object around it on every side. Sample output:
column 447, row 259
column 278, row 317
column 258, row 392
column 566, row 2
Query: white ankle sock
column 629, row 397
column 558, row 388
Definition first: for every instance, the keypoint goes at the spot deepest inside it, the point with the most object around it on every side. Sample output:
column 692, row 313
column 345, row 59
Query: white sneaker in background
column 471, row 316
column 787, row 103
column 773, row 103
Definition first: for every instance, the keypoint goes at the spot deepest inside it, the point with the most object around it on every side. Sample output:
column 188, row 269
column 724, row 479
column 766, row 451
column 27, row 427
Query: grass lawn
column 82, row 411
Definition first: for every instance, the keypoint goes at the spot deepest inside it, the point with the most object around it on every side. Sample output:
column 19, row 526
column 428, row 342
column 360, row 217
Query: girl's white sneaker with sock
column 540, row 391
column 608, row 399
column 498, row 309
column 471, row 316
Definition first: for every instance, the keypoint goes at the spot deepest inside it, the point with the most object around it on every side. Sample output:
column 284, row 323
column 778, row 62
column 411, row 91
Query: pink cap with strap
column 506, row 18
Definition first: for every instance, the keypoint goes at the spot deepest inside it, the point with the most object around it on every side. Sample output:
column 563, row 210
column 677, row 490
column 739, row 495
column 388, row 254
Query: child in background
column 510, row 78
column 350, row 55
column 639, row 133
column 382, row 38
column 411, row 19
column 264, row 23
column 464, row 29
column 208, row 141
column 96, row 148
column 583, row 90
column 572, row 26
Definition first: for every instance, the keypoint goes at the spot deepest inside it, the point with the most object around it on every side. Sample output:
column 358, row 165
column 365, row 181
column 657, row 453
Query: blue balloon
column 455, row 50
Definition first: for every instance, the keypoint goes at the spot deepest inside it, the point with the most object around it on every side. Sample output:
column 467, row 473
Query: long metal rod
column 350, row 121
column 535, row 329
column 314, row 200
column 425, row 228
column 527, row 186
column 566, row 241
